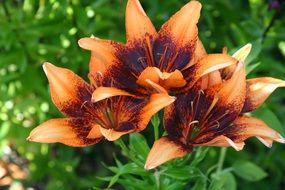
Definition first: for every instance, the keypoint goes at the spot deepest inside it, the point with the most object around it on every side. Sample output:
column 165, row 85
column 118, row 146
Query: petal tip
column 149, row 167
column 243, row 52
column 281, row 139
column 137, row 5
column 29, row 138
column 46, row 66
column 162, row 151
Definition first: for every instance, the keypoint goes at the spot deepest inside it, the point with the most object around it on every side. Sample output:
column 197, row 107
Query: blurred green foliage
column 32, row 32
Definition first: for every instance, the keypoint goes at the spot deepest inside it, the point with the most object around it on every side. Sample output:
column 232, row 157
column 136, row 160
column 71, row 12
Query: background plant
column 32, row 32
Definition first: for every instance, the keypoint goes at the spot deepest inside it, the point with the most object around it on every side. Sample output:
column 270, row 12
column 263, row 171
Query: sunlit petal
column 162, row 151
column 112, row 135
column 71, row 132
column 180, row 27
column 166, row 80
column 138, row 25
column 102, row 93
column 156, row 103
column 223, row 141
column 68, row 90
column 258, row 90
column 102, row 53
column 245, row 127
column 242, row 53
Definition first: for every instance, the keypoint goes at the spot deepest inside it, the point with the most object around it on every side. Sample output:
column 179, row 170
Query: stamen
column 215, row 100
column 193, row 122
column 197, row 100
column 143, row 61
column 96, row 118
column 150, row 58
column 161, row 60
column 83, row 104
column 192, row 107
column 192, row 131
column 171, row 62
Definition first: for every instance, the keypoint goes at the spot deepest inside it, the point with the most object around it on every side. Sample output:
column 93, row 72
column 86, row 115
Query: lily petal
column 233, row 90
column 258, row 90
column 102, row 93
column 166, row 80
column 68, row 90
column 95, row 132
column 223, row 141
column 242, row 53
column 151, row 73
column 156, row 87
column 112, row 135
column 199, row 53
column 71, row 132
column 245, row 127
column 174, row 79
column 102, row 53
column 162, row 151
column 180, row 28
column 208, row 64
column 156, row 103
column 214, row 62
column 266, row 141
column 138, row 25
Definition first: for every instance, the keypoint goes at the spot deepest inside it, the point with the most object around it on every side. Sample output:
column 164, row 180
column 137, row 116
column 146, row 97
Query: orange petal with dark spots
column 138, row 25
column 199, row 53
column 258, row 90
column 232, row 92
column 182, row 27
column 162, row 151
column 223, row 141
column 102, row 93
column 245, row 127
column 102, row 53
column 156, row 103
column 71, row 132
column 68, row 90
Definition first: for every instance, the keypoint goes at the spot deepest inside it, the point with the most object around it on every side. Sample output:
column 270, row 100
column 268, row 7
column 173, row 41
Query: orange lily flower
column 210, row 114
column 88, row 122
column 170, row 60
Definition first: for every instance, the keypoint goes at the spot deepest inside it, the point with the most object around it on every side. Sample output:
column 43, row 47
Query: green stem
column 156, row 132
column 123, row 146
column 221, row 159
column 157, row 180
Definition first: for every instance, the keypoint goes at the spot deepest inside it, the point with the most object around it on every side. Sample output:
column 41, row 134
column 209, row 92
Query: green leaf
column 181, row 173
column 255, row 51
column 200, row 154
column 155, row 121
column 139, row 145
column 251, row 67
column 200, row 184
column 249, row 171
column 223, row 181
